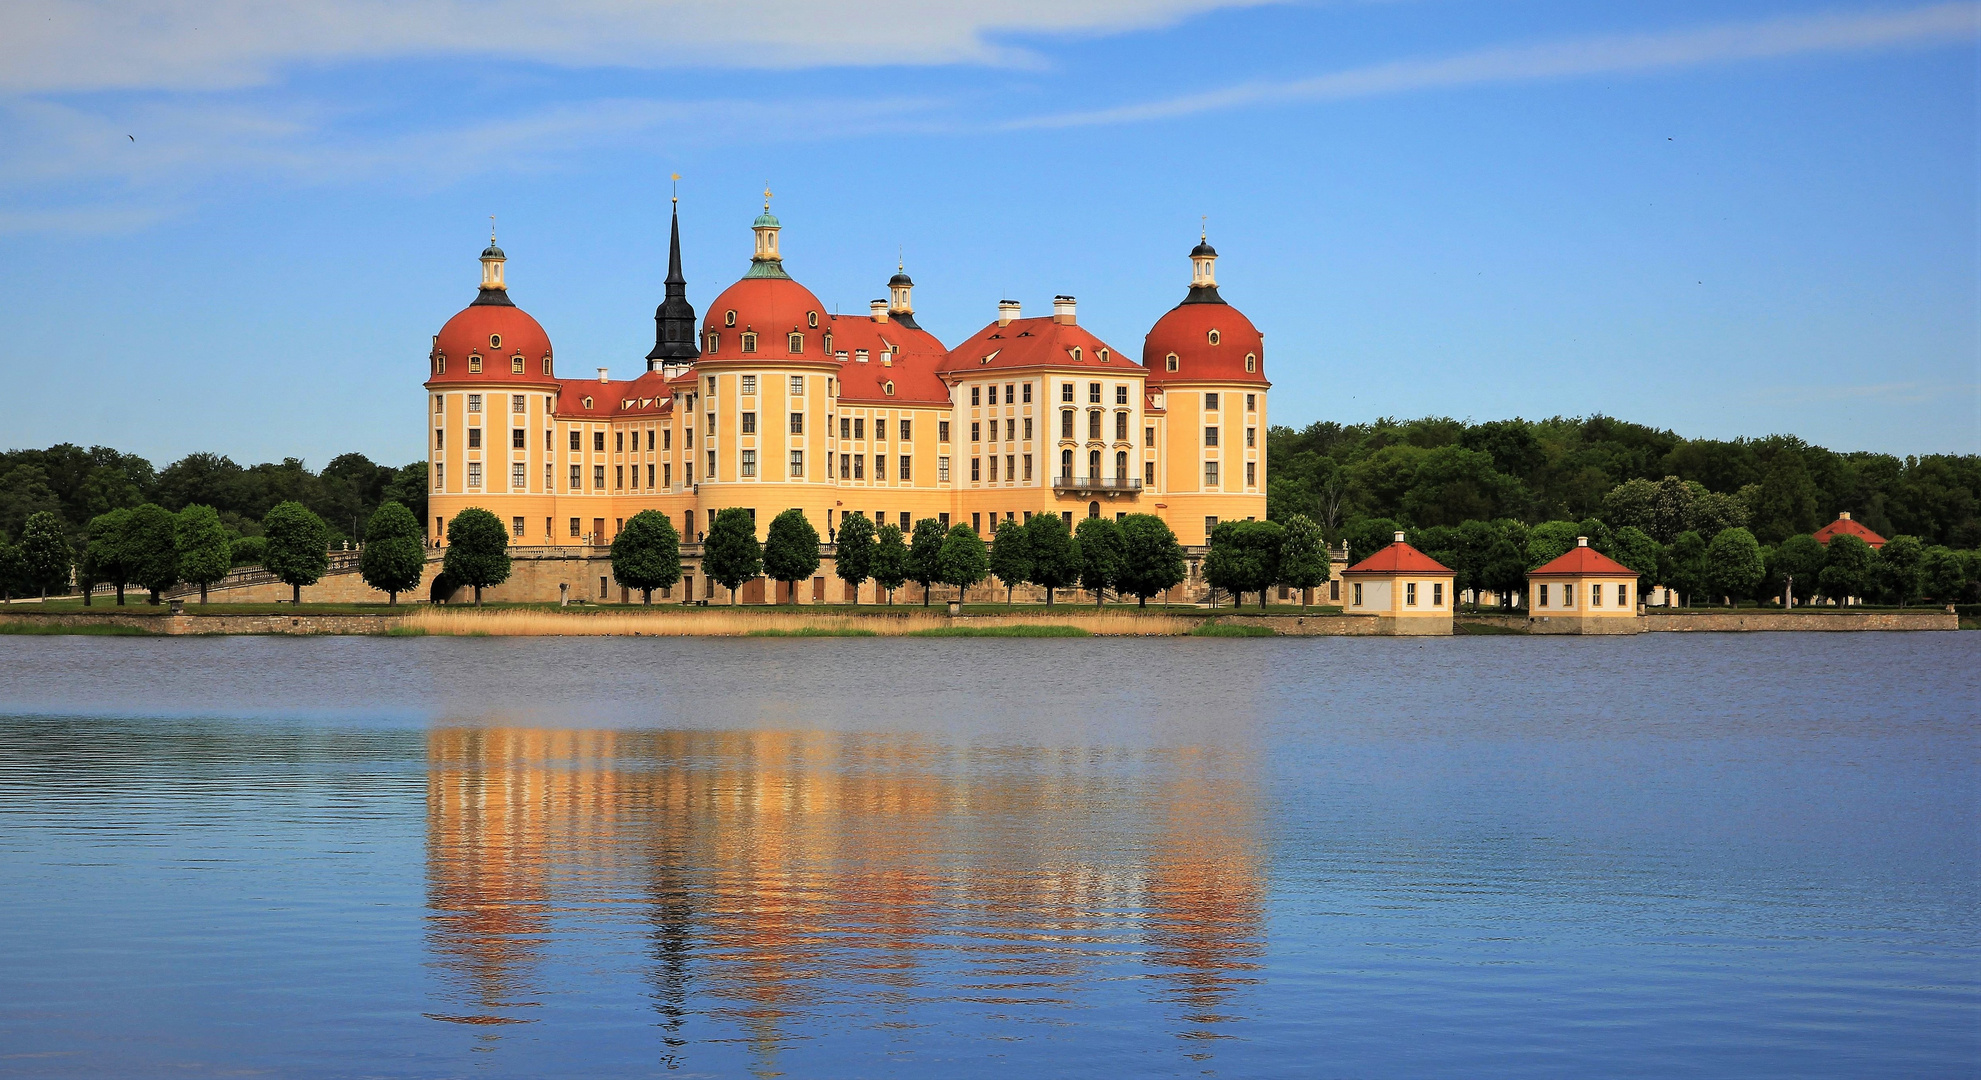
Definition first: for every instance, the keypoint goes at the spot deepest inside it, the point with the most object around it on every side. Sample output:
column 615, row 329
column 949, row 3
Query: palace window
column 1358, row 594
column 495, row 341
column 666, row 439
column 1251, row 474
column 1093, row 425
column 667, row 474
column 546, row 365
column 749, row 385
column 439, row 403
column 575, row 482
column 549, row 477
column 1409, row 594
column 474, row 402
column 1121, row 465
column 796, row 342
column 1094, row 393
column 1102, row 354
column 749, row 342
column 516, row 368
column 1210, row 402
column 598, row 478
column 975, row 430
column 575, row 446
column 1213, row 337
column 1028, row 429
column 516, row 438
column 797, row 423
column 976, row 395
column 516, row 527
column 1251, row 403
column 880, row 466
column 439, row 438
column 1066, row 392
column 1076, row 353
column 1066, row 424
column 749, row 463
column 859, row 427
column 1251, row 436
column 942, row 470
column 1028, row 393
column 749, row 423
column 1251, row 361
column 619, row 442
column 440, row 478
column 1149, row 473
column 797, row 385
column 1210, row 474
column 859, row 466
column 474, row 474
column 1066, row 464
column 904, row 429
column 905, row 472
column 1121, row 395
column 714, row 341
column 976, row 469
column 474, row 438
column 887, row 388
column 1169, row 362
column 993, row 468
column 517, row 480
column 1028, row 468
column 1121, row 425
column 598, row 442
column 941, row 431
column 812, row 319
column 439, row 367
column 474, row 362
column 1148, row 436
column 619, row 477
column 711, row 466
column 729, row 318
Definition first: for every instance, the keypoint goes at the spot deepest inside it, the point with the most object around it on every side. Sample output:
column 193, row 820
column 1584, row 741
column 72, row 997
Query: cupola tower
column 766, row 262
column 674, row 344
column 493, row 290
column 900, row 307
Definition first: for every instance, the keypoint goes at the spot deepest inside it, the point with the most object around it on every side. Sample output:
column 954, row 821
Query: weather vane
column 766, row 196
column 676, row 177
column 491, row 228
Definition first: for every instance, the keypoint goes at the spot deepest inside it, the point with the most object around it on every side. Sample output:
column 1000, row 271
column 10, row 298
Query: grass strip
column 1214, row 629
column 1028, row 630
column 59, row 629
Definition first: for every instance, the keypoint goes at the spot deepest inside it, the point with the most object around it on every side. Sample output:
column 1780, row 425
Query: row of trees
column 78, row 485
column 1442, row 472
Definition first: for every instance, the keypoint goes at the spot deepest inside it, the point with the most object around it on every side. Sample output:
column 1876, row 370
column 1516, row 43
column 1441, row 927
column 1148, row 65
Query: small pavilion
column 1408, row 591
column 1844, row 526
column 1582, row 592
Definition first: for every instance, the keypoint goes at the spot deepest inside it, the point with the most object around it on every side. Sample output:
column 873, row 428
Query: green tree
column 394, row 558
column 1303, row 556
column 890, row 565
column 1244, row 557
column 1634, row 548
column 477, row 550
column 1549, row 541
column 854, row 553
column 1630, row 505
column 249, row 550
column 1100, row 555
column 1504, row 570
column 1847, row 567
column 1785, row 503
column 206, row 552
column 791, row 551
column 1798, row 563
column 1010, row 557
column 151, row 535
column 1942, row 574
column 1366, row 536
column 1733, row 564
column 45, row 553
column 298, row 546
column 1897, row 570
column 1714, row 513
column 646, row 555
column 408, row 487
column 962, row 560
column 731, row 554
column 1598, row 533
column 13, row 571
column 1686, row 559
column 925, row 555
column 1055, row 553
column 106, row 552
column 1152, row 559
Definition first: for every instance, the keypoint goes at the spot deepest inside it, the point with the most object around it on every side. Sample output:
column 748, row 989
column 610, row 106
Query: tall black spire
column 674, row 320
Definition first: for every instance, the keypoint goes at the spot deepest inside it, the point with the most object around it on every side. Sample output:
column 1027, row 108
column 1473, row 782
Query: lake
column 1709, row 855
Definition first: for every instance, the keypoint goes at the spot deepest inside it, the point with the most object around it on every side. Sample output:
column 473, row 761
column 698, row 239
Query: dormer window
column 888, row 389
column 516, row 364
column 1251, row 361
column 546, row 364
column 1213, row 336
column 812, row 319
column 588, row 402
column 749, row 343
column 1101, row 354
column 828, row 344
column 797, row 342
column 495, row 341
column 439, row 364
column 729, row 318
column 714, row 341
column 1076, row 354
column 1169, row 362
column 474, row 362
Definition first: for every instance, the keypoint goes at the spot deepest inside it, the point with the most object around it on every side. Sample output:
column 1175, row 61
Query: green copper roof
column 766, row 219
column 767, row 268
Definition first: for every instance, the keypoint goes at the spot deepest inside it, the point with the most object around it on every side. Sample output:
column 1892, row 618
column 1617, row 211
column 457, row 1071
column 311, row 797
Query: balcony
column 1105, row 484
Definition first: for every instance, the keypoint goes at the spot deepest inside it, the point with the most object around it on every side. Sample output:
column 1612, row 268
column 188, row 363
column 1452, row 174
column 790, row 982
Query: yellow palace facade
column 771, row 402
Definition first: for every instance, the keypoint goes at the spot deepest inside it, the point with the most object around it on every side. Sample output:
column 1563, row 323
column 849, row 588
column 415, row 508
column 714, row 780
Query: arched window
column 729, row 318
column 516, row 364
column 1066, row 464
column 1121, row 465
column 888, row 389
column 474, row 362
column 1094, row 426
column 439, row 364
column 1076, row 354
column 1251, row 361
column 714, row 339
column 1093, row 509
column 1093, row 464
column 1169, row 362
column 546, row 363
column 1102, row 354
column 1214, row 337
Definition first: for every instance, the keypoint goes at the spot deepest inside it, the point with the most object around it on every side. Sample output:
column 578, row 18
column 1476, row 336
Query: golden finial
column 491, row 230
column 676, row 177
column 766, row 196
column 1204, row 234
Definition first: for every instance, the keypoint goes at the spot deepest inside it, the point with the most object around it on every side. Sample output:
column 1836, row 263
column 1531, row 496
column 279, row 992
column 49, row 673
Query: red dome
column 770, row 307
column 498, row 334
column 1187, row 332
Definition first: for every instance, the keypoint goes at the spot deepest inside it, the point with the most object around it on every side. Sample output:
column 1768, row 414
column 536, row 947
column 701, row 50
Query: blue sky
column 232, row 227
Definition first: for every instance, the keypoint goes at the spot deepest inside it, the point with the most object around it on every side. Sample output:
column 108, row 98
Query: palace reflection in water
column 800, row 885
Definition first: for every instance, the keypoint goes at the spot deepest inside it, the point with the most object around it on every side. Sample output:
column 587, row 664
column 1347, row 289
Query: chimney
column 1062, row 310
column 602, row 376
column 1007, row 310
column 879, row 310
column 1845, row 516
column 1399, row 537
column 1581, row 541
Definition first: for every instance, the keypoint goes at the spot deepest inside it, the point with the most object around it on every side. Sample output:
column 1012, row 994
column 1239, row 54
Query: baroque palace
column 772, row 402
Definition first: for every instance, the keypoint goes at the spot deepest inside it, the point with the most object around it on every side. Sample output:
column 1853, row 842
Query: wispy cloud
column 1935, row 24
column 87, row 45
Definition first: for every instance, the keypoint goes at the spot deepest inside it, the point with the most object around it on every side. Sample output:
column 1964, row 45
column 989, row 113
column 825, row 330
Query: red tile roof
column 916, row 356
column 1398, row 558
column 1848, row 527
column 1581, row 560
column 1039, row 342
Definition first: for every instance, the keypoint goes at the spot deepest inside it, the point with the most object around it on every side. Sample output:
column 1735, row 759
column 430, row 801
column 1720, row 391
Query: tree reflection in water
column 790, row 886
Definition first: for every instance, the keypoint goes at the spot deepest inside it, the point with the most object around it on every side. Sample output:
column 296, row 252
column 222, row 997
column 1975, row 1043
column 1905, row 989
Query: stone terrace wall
column 1780, row 620
column 304, row 623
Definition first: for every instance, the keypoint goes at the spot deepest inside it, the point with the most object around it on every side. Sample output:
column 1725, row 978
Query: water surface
column 1700, row 855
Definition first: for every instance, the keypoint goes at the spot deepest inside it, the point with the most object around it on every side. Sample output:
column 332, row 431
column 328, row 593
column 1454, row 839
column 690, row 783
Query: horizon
column 1719, row 225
